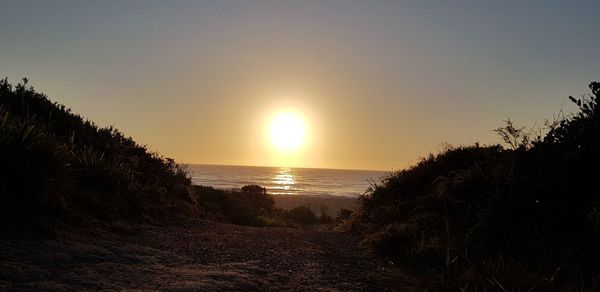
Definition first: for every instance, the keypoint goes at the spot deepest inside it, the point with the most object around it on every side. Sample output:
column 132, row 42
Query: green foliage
column 489, row 218
column 55, row 164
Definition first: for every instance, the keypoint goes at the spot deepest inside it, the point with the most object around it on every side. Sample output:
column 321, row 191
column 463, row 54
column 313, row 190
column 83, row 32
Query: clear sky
column 378, row 84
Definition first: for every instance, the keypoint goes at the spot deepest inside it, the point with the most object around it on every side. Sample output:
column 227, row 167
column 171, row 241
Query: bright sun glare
column 287, row 131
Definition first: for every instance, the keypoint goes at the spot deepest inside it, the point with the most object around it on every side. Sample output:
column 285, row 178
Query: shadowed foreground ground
column 198, row 255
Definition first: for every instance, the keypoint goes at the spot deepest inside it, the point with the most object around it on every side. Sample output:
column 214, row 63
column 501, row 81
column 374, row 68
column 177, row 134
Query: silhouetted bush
column 256, row 197
column 254, row 189
column 252, row 206
column 302, row 215
column 488, row 218
column 55, row 164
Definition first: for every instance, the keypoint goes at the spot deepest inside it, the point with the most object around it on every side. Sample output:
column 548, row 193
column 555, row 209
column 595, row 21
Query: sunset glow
column 317, row 84
column 287, row 131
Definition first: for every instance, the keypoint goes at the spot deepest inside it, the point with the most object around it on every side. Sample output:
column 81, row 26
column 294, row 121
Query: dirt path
column 198, row 255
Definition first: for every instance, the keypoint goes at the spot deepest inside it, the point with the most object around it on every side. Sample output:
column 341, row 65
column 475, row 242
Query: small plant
column 515, row 137
column 302, row 215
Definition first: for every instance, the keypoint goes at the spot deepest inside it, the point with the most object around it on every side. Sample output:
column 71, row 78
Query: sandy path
column 198, row 255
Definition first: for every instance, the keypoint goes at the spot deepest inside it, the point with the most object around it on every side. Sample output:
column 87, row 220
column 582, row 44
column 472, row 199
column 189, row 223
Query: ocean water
column 283, row 180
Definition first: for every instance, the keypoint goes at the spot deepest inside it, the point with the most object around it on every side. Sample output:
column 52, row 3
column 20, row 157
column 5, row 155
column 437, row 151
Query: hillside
column 523, row 217
column 57, row 165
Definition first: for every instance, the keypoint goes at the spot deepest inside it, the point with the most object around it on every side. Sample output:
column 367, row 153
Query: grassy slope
column 56, row 164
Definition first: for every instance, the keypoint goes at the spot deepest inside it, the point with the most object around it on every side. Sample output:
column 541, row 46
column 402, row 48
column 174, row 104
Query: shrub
column 256, row 198
column 302, row 215
column 471, row 214
column 55, row 164
column 251, row 206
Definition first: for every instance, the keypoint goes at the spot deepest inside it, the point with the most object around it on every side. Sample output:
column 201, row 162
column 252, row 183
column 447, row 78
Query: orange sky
column 379, row 84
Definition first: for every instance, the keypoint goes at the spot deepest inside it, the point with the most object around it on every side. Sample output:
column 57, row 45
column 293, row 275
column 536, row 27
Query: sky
column 378, row 84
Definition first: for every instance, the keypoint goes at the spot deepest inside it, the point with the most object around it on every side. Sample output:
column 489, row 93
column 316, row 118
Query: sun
column 287, row 131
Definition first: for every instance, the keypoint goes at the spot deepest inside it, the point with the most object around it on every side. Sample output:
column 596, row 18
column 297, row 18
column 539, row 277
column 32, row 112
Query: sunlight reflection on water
column 286, row 180
column 283, row 179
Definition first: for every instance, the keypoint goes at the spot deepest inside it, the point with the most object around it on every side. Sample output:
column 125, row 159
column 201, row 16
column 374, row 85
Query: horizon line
column 271, row 166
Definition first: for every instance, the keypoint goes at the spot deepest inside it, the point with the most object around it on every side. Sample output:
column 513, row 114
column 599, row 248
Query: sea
column 286, row 180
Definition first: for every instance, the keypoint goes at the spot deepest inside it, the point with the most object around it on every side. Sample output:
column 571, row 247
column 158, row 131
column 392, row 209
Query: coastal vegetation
column 55, row 164
column 253, row 206
column 520, row 217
